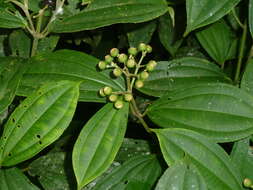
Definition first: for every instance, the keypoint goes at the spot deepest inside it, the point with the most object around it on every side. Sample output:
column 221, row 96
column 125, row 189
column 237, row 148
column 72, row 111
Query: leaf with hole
column 98, row 143
column 212, row 162
column 38, row 121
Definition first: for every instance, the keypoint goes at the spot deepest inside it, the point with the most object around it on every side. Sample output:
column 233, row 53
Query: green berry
column 114, row 52
column 132, row 51
column 139, row 84
column 247, row 182
column 108, row 59
column 117, row 72
column 113, row 97
column 128, row 97
column 107, row 90
column 130, row 63
column 122, row 58
column 144, row 75
column 149, row 49
column 153, row 62
column 102, row 65
column 142, row 47
column 151, row 65
column 119, row 104
column 101, row 92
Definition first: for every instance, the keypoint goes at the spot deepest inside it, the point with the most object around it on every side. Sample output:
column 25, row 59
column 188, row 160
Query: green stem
column 237, row 19
column 34, row 46
column 138, row 66
column 241, row 54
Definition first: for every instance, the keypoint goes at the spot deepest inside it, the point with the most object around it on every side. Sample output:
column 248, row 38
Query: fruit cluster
column 134, row 71
column 248, row 183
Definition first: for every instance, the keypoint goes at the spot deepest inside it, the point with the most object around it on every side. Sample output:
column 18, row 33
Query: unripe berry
column 247, row 182
column 153, row 62
column 144, row 75
column 117, row 72
column 128, row 97
column 108, row 59
column 139, row 84
column 101, row 92
column 142, row 47
column 102, row 65
column 107, row 90
column 149, row 49
column 119, row 104
column 113, row 97
column 122, row 58
column 130, row 63
column 151, row 65
column 114, row 52
column 132, row 51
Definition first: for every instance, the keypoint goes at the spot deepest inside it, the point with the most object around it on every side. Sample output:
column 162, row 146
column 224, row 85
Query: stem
column 138, row 67
column 237, row 19
column 34, row 46
column 241, row 53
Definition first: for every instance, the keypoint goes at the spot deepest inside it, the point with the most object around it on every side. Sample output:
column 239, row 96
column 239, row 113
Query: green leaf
column 203, row 12
column 3, row 37
column 181, row 73
column 98, row 143
column 48, row 44
column 209, row 158
column 138, row 33
column 220, row 111
column 101, row 13
column 20, row 44
column 217, row 40
column 38, row 121
column 11, row 70
column 181, row 176
column 140, row 172
column 168, row 34
column 251, row 17
column 247, row 78
column 69, row 65
column 14, row 179
column 11, row 20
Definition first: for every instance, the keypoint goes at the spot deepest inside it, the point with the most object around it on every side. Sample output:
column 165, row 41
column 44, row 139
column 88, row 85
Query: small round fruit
column 119, row 104
column 117, row 72
column 101, row 92
column 130, row 63
column 153, row 62
column 122, row 58
column 114, row 52
column 144, row 75
column 142, row 47
column 132, row 51
column 107, row 90
column 108, row 59
column 149, row 49
column 151, row 65
column 113, row 97
column 128, row 97
column 139, row 84
column 247, row 182
column 102, row 65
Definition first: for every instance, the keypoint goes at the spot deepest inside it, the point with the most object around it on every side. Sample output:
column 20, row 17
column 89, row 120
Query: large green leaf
column 11, row 70
column 14, row 179
column 38, row 121
column 212, row 162
column 181, row 176
column 204, row 12
column 217, row 40
column 251, row 17
column 68, row 65
column 98, row 143
column 220, row 111
column 103, row 13
column 247, row 78
column 11, row 20
column 140, row 172
column 181, row 73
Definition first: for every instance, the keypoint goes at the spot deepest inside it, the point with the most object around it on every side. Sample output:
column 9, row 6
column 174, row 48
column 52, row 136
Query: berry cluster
column 134, row 71
column 248, row 183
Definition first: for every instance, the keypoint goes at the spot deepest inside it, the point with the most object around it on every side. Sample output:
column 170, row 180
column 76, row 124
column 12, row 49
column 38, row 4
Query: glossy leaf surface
column 98, row 143
column 14, row 179
column 181, row 176
column 10, row 20
column 181, row 73
column 38, row 121
column 203, row 12
column 209, row 158
column 11, row 71
column 68, row 65
column 140, row 172
column 220, row 111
